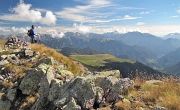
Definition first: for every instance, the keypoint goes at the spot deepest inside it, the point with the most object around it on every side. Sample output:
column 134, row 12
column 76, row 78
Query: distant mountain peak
column 172, row 35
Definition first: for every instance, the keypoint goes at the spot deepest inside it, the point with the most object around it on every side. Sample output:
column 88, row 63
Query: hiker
column 33, row 40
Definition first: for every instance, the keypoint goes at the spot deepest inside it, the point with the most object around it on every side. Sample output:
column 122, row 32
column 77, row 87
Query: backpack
column 29, row 33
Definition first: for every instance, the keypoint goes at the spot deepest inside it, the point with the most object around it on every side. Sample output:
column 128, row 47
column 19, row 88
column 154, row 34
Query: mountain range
column 151, row 42
column 158, row 53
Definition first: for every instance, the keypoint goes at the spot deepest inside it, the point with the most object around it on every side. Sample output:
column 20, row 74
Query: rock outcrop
column 60, row 89
column 49, row 86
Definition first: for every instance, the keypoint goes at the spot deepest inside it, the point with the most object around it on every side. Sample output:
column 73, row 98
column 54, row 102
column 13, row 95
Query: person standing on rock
column 33, row 40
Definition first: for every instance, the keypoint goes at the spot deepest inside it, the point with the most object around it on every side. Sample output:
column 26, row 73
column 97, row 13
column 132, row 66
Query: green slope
column 98, row 59
column 128, row 68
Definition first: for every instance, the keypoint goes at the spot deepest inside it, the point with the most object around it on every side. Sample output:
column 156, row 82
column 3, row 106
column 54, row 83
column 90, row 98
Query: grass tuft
column 29, row 101
column 122, row 105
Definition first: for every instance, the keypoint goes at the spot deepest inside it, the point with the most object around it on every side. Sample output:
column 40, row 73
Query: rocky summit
column 48, row 85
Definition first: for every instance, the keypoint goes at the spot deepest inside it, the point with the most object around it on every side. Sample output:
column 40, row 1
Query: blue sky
column 158, row 17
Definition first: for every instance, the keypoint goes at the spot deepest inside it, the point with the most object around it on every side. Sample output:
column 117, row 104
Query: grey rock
column 159, row 108
column 44, row 89
column 11, row 95
column 64, row 74
column 13, row 56
column 29, row 53
column 5, row 105
column 3, row 57
column 32, row 79
column 80, row 89
column 93, row 88
column 45, row 82
column 15, row 51
column 4, row 62
column 48, row 61
column 115, row 73
column 71, row 105
column 40, row 104
column 33, row 59
column 99, row 95
column 54, row 89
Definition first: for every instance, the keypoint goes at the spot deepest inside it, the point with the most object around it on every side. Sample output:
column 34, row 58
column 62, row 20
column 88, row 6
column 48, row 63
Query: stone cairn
column 14, row 41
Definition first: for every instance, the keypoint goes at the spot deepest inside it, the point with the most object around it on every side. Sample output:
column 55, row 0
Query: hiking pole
column 39, row 38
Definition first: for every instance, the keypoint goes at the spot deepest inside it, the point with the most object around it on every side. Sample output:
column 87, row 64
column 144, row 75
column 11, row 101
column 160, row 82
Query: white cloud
column 49, row 18
column 100, row 3
column 140, row 23
column 178, row 11
column 146, row 12
column 19, row 30
column 174, row 16
column 82, row 28
column 95, row 11
column 91, row 12
column 4, row 29
column 23, row 13
column 123, row 30
column 126, row 17
column 39, row 27
column 55, row 33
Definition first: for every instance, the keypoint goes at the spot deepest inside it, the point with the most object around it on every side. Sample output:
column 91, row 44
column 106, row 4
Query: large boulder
column 92, row 90
column 33, row 77
column 80, row 89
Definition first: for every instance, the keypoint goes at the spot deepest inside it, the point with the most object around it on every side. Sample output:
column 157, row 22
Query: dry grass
column 123, row 105
column 19, row 71
column 7, row 84
column 165, row 94
column 29, row 101
column 1, row 95
column 105, row 108
column 2, row 41
column 137, row 105
column 71, row 66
